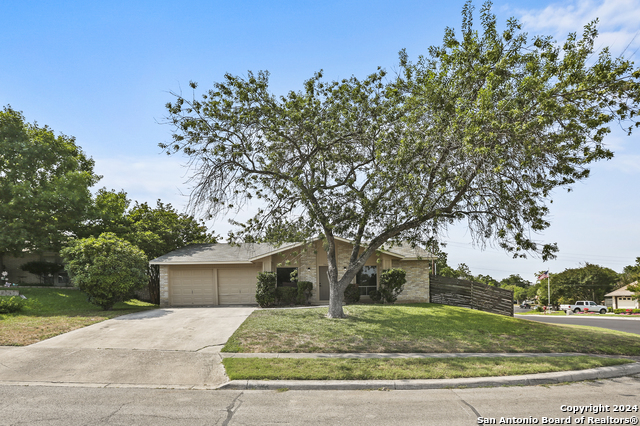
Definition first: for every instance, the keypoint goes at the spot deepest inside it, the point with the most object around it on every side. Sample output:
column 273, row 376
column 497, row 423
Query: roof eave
column 205, row 262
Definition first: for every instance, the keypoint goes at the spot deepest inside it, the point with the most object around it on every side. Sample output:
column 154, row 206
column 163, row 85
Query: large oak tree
column 481, row 130
column 44, row 186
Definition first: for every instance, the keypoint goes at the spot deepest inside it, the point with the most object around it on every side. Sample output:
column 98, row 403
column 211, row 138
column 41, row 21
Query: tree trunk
column 335, row 301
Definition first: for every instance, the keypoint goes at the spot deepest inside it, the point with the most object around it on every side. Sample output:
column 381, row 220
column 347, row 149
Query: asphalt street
column 69, row 406
column 627, row 325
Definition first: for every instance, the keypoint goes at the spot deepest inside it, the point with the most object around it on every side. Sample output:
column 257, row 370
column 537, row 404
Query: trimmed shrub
column 376, row 296
column 626, row 311
column 392, row 283
column 11, row 304
column 286, row 295
column 304, row 292
column 108, row 269
column 266, row 289
column 352, row 293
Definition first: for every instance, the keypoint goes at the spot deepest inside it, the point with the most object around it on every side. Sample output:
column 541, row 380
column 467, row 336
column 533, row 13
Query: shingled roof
column 622, row 291
column 223, row 253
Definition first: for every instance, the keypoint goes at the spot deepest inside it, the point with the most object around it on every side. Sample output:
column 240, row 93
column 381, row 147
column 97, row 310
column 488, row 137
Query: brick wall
column 307, row 269
column 416, row 289
column 164, row 286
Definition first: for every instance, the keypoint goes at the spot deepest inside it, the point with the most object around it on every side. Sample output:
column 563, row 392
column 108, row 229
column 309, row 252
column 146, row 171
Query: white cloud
column 619, row 21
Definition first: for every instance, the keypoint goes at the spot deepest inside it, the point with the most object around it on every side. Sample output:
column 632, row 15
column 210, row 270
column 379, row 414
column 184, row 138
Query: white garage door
column 192, row 287
column 237, row 286
column 626, row 303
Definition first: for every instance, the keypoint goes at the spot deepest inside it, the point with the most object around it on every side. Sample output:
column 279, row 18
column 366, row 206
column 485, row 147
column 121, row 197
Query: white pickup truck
column 581, row 305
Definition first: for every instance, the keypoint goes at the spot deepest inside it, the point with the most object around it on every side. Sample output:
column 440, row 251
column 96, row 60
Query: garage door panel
column 192, row 287
column 626, row 303
column 237, row 286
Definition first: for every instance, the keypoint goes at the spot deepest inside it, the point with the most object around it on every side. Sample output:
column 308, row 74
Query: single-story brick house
column 622, row 298
column 223, row 274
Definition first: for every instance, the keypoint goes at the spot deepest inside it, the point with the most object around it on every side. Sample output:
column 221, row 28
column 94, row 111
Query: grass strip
column 50, row 312
column 418, row 328
column 398, row 369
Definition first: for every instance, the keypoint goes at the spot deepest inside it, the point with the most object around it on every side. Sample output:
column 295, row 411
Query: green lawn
column 398, row 369
column 50, row 312
column 418, row 328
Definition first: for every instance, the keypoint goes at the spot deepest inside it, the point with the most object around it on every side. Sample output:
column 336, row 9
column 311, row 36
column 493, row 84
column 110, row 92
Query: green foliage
column 108, row 269
column 630, row 273
column 266, row 289
column 392, row 283
column 376, row 296
column 626, row 311
column 38, row 267
column 156, row 231
column 286, row 296
column 589, row 282
column 634, row 288
column 462, row 272
column 44, row 185
column 488, row 280
column 514, row 280
column 482, row 129
column 43, row 269
column 304, row 290
column 519, row 293
column 11, row 304
column 352, row 294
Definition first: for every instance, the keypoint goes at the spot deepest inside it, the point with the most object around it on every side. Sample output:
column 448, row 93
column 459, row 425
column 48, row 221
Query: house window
column 284, row 277
column 367, row 279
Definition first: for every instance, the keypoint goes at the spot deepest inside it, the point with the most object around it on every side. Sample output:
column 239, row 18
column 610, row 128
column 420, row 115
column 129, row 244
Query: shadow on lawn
column 422, row 328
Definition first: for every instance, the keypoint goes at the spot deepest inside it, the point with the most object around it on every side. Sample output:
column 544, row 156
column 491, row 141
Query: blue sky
column 102, row 72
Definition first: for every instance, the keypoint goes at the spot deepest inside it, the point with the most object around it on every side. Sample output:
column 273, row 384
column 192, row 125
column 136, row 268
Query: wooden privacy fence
column 469, row 294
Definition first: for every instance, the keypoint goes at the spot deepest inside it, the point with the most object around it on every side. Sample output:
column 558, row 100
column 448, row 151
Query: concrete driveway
column 171, row 347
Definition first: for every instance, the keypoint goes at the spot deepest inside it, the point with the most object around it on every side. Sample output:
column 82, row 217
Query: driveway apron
column 170, row 347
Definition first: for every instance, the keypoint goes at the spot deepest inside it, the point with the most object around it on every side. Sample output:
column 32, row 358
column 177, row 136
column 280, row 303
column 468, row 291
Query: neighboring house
column 17, row 275
column 622, row 299
column 223, row 274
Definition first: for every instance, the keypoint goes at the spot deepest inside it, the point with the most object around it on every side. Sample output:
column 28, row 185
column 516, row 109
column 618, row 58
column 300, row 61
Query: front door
column 324, row 282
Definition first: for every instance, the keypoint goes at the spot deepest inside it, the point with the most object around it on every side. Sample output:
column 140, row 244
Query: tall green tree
column 44, row 186
column 515, row 280
column 156, row 231
column 107, row 213
column 589, row 282
column 630, row 273
column 482, row 129
column 160, row 230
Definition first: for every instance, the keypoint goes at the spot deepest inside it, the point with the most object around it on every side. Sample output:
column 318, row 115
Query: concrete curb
column 359, row 355
column 524, row 380
column 605, row 316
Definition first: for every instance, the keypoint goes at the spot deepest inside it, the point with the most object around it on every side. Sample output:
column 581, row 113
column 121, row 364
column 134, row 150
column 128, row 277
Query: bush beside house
column 108, row 269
